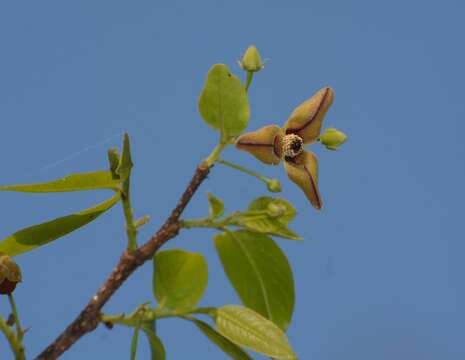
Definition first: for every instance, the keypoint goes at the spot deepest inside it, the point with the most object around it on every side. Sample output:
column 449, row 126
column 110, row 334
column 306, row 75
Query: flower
column 272, row 144
column 10, row 274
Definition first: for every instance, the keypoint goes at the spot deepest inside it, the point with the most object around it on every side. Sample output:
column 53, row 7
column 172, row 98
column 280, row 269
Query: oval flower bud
column 10, row 274
column 251, row 60
column 332, row 138
column 274, row 185
column 276, row 210
column 114, row 159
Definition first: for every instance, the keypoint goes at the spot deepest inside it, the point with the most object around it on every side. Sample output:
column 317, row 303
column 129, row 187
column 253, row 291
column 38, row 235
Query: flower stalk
column 12, row 338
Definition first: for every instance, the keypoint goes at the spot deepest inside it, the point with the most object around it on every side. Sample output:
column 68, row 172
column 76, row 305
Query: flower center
column 292, row 145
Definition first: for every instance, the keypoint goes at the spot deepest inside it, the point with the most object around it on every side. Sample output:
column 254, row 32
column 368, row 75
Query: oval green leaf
column 228, row 347
column 259, row 272
column 75, row 182
column 216, row 206
column 223, row 103
column 38, row 235
column 247, row 328
column 179, row 279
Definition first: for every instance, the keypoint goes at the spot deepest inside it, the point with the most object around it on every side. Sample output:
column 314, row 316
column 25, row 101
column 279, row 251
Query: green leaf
column 75, row 182
column 247, row 328
column 156, row 346
column 223, row 102
column 264, row 224
column 259, row 272
column 179, row 279
column 228, row 347
column 125, row 164
column 216, row 206
column 267, row 203
column 134, row 340
column 38, row 235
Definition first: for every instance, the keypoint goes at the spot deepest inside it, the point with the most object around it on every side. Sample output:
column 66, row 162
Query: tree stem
column 89, row 317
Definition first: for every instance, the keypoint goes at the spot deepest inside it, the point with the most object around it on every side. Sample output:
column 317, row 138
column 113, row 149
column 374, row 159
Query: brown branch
column 89, row 317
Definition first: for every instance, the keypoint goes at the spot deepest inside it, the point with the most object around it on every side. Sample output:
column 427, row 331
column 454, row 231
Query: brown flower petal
column 264, row 144
column 303, row 170
column 307, row 118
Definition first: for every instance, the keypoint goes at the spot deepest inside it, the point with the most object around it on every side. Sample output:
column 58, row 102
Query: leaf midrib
column 260, row 280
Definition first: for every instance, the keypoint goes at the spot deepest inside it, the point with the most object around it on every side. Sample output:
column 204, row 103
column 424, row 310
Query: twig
column 19, row 330
column 88, row 319
column 15, row 343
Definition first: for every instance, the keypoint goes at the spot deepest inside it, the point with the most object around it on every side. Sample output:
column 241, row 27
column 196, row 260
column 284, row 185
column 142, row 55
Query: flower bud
column 114, row 160
column 251, row 60
column 274, row 185
column 275, row 209
column 10, row 274
column 332, row 138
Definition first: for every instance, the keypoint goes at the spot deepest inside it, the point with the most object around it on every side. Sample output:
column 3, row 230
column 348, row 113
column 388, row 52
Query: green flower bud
column 275, row 209
column 10, row 274
column 251, row 60
column 114, row 160
column 274, row 185
column 332, row 138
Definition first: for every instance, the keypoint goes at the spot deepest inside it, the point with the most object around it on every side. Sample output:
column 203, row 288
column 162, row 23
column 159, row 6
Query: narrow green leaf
column 75, row 182
column 223, row 102
column 216, row 206
column 259, row 272
column 156, row 346
column 247, row 328
column 38, row 235
column 134, row 340
column 125, row 164
column 179, row 279
column 228, row 347
column 265, row 224
column 268, row 203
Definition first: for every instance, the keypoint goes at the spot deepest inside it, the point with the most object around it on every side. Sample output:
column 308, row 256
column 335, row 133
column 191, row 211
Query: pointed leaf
column 180, row 278
column 228, row 347
column 259, row 272
column 266, row 203
column 125, row 164
column 223, row 102
column 75, row 182
column 247, row 328
column 39, row 235
column 156, row 346
column 265, row 224
column 216, row 206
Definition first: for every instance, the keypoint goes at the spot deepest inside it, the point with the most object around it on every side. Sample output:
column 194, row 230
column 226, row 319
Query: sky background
column 380, row 272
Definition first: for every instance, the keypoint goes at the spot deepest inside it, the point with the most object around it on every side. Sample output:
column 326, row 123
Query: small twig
column 19, row 330
column 89, row 317
column 131, row 229
column 13, row 340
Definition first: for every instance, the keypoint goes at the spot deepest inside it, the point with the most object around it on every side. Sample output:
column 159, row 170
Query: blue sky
column 380, row 272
